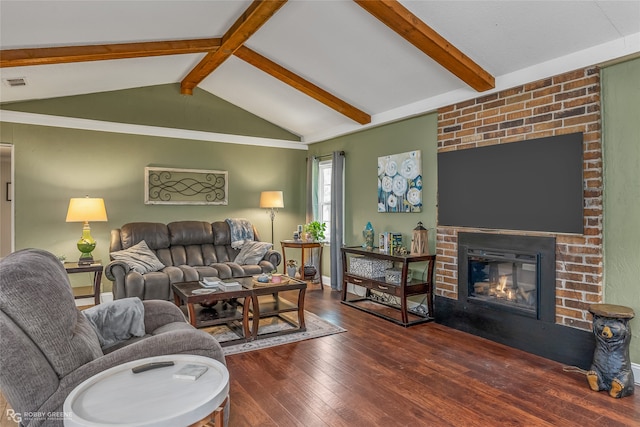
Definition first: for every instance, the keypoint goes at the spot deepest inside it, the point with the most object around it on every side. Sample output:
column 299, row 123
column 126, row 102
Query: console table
column 302, row 245
column 406, row 288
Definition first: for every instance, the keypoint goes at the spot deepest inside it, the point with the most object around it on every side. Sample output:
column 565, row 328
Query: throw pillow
column 252, row 252
column 139, row 257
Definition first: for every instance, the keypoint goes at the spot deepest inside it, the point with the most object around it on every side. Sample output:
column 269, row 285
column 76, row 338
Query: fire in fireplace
column 509, row 279
column 511, row 273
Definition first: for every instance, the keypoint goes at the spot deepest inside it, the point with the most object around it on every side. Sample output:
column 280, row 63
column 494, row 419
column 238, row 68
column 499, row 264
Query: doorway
column 6, row 200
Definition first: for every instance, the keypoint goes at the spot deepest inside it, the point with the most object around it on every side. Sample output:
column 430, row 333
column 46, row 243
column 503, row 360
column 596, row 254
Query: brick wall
column 562, row 104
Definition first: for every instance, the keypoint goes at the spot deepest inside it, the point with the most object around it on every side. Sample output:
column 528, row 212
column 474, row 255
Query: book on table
column 210, row 282
column 230, row 286
column 190, row 372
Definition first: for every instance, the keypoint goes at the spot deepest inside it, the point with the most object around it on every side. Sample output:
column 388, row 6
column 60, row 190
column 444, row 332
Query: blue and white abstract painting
column 400, row 182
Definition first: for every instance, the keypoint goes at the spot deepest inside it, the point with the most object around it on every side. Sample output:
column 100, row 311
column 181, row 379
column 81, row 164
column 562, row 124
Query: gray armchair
column 49, row 347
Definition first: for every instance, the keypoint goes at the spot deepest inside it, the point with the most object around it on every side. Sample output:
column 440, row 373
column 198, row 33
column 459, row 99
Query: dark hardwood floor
column 381, row 374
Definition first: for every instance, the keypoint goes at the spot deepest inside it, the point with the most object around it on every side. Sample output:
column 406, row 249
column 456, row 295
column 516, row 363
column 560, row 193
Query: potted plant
column 316, row 230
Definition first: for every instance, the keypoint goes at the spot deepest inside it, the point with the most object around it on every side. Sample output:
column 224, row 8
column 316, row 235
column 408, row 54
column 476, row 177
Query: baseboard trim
column 635, row 368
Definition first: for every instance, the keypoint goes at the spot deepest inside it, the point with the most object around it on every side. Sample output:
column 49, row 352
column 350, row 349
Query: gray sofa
column 49, row 346
column 189, row 250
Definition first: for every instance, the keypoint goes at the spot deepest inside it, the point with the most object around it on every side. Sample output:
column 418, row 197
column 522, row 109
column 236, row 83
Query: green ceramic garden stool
column 611, row 367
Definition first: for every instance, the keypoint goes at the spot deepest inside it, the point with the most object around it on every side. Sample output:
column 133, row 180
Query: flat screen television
column 533, row 185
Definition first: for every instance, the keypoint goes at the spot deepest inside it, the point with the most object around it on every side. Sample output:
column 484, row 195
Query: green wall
column 621, row 146
column 55, row 164
column 161, row 105
column 362, row 150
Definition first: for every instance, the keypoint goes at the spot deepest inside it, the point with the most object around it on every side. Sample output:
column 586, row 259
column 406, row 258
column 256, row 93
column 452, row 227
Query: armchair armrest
column 190, row 341
column 159, row 313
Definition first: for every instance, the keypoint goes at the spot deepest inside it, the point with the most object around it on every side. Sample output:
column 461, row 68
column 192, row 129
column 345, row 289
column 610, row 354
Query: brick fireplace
column 559, row 105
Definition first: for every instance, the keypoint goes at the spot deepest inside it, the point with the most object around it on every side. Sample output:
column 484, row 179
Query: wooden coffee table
column 267, row 302
column 259, row 302
column 222, row 305
column 117, row 396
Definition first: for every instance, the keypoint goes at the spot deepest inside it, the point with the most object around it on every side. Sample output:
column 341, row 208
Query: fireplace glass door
column 508, row 279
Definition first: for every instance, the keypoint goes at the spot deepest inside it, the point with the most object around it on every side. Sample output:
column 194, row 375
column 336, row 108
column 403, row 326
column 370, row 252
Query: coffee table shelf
column 275, row 307
column 232, row 314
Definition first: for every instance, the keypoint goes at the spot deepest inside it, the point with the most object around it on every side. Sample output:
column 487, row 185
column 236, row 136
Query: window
column 324, row 194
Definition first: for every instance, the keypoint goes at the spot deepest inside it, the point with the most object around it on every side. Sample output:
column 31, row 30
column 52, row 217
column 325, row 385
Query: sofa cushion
column 139, row 257
column 155, row 234
column 187, row 233
column 157, row 284
column 252, row 252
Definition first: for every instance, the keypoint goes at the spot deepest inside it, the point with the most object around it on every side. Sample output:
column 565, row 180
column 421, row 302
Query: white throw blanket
column 116, row 321
column 241, row 232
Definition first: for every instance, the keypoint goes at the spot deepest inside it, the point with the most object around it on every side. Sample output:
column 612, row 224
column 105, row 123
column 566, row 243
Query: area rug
column 316, row 327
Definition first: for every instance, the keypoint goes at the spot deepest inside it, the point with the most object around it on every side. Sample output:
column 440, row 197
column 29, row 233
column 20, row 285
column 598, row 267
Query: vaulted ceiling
column 316, row 68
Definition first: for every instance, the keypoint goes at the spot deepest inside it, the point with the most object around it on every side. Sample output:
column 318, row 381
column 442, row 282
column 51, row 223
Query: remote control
column 149, row 366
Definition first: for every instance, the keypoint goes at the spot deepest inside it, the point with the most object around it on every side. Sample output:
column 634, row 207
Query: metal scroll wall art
column 169, row 186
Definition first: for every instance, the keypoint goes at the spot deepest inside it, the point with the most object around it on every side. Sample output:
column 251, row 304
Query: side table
column 117, row 396
column 302, row 245
column 95, row 268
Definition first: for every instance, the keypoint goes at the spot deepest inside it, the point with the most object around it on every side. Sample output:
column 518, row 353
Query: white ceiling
column 335, row 44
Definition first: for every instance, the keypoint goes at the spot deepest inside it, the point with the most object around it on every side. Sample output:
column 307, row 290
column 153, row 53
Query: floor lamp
column 273, row 201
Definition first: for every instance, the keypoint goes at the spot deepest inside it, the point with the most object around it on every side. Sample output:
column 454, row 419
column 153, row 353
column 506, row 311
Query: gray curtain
column 312, row 188
column 337, row 218
column 312, row 205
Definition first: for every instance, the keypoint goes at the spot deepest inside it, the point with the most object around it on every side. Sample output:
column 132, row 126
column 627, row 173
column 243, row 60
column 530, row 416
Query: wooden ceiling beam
column 416, row 32
column 101, row 52
column 245, row 26
column 301, row 84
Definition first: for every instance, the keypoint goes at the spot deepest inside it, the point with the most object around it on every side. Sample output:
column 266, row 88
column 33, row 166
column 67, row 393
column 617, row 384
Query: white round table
column 119, row 397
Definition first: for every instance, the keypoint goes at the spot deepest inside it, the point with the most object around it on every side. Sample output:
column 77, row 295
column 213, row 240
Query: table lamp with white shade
column 85, row 209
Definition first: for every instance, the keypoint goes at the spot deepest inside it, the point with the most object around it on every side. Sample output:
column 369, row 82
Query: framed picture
column 400, row 182
column 170, row 186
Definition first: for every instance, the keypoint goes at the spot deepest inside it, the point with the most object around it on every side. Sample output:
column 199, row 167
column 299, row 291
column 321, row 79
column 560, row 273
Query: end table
column 96, row 269
column 302, row 245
